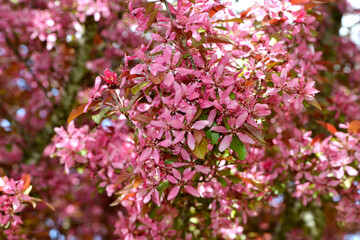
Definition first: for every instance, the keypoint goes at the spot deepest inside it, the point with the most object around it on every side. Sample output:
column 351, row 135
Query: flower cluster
column 199, row 99
column 13, row 197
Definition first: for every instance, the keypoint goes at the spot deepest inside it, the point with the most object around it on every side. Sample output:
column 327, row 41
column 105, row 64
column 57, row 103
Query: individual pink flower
column 110, row 77
column 235, row 125
column 187, row 127
column 95, row 93
column 179, row 181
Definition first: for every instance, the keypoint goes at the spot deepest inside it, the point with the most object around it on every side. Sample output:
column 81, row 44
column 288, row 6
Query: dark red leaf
column 215, row 9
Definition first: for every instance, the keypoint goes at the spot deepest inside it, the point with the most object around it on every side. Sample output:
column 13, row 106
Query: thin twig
column 168, row 11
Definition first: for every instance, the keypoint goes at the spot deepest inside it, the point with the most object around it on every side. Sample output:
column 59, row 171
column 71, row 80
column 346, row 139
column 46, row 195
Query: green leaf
column 226, row 123
column 139, row 87
column 8, row 147
column 238, row 147
column 221, row 27
column 101, row 190
column 201, row 149
column 315, row 103
column 212, row 136
column 234, row 179
column 225, row 172
column 83, row 152
column 222, row 181
column 232, row 96
column 180, row 61
column 162, row 186
column 199, row 43
column 80, row 170
column 201, row 30
column 169, row 161
column 152, row 212
column 98, row 117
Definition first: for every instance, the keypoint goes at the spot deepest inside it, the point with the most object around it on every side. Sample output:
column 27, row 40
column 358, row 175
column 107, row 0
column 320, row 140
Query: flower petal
column 211, row 117
column 173, row 193
column 191, row 141
column 191, row 190
column 351, row 171
column 147, row 198
column 245, row 138
column 156, row 197
column 179, row 137
column 176, row 173
column 241, row 119
column 200, row 124
column 189, row 176
column 145, row 154
column 156, row 156
column 169, row 79
column 202, row 169
column 219, row 129
column 172, row 179
column 225, row 143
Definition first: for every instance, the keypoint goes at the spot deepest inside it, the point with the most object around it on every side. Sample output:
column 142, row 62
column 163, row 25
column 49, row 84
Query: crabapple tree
column 202, row 122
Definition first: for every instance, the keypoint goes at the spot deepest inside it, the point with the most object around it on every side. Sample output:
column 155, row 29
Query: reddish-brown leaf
column 122, row 177
column 27, row 179
column 152, row 18
column 248, row 83
column 354, row 126
column 328, row 126
column 316, row 139
column 237, row 20
column 124, row 73
column 198, row 134
column 255, row 183
column 198, row 113
column 331, row 128
column 298, row 1
column 219, row 39
column 79, row 110
column 149, row 8
column 309, row 4
column 244, row 13
column 254, row 133
column 137, row 181
column 129, row 196
column 157, row 79
column 274, row 21
column 142, row 118
column 132, row 76
column 215, row 9
column 144, row 209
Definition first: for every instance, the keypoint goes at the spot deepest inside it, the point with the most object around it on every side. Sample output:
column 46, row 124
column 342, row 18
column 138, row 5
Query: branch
column 6, row 114
column 25, row 61
column 59, row 115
